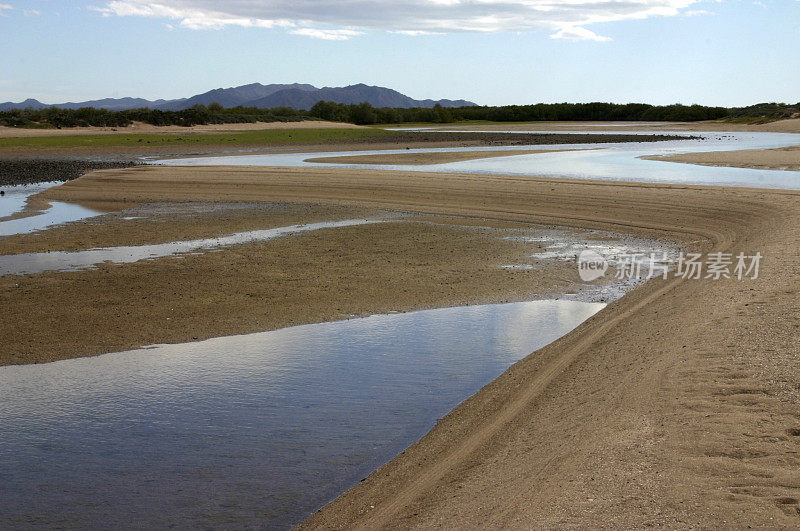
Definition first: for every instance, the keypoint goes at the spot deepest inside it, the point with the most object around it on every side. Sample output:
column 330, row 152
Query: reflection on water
column 566, row 245
column 15, row 196
column 14, row 201
column 250, row 430
column 618, row 161
column 29, row 263
column 57, row 214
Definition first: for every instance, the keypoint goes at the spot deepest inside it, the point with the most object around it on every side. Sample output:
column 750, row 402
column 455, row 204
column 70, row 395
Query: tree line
column 366, row 114
column 195, row 115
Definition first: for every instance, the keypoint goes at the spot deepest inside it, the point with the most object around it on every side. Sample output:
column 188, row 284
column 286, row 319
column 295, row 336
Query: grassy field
column 267, row 137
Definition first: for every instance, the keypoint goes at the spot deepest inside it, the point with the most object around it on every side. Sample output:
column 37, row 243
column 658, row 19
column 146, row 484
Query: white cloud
column 578, row 34
column 330, row 35
column 4, row 8
column 696, row 13
column 342, row 19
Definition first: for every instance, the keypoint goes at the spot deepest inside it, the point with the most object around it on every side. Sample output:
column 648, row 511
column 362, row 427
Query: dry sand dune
column 675, row 406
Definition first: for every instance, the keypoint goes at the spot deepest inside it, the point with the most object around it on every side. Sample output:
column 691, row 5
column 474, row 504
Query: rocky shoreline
column 35, row 170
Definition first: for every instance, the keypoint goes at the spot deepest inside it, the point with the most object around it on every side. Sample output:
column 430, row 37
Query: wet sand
column 312, row 277
column 675, row 406
column 787, row 158
column 419, row 159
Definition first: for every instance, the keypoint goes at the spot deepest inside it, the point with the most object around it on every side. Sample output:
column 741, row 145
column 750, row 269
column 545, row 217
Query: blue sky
column 493, row 52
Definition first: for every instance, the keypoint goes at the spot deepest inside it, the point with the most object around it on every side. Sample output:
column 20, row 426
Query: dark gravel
column 35, row 170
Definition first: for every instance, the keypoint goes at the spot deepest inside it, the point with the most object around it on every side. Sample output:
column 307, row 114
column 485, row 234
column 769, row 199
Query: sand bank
column 787, row 158
column 420, row 159
column 675, row 406
column 412, row 264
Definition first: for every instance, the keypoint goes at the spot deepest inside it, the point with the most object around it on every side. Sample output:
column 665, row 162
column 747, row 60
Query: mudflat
column 398, row 265
column 675, row 406
column 786, row 158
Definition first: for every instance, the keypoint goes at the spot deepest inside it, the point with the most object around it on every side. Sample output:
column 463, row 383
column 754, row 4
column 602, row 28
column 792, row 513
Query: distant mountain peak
column 296, row 95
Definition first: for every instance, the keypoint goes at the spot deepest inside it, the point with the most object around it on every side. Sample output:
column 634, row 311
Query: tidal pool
column 15, row 199
column 248, row 431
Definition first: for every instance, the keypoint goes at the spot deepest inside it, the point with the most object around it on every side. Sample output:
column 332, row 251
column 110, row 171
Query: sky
column 492, row 52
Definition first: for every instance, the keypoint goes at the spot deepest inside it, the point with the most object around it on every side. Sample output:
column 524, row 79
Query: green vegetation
column 551, row 112
column 765, row 112
column 267, row 137
column 198, row 114
column 366, row 114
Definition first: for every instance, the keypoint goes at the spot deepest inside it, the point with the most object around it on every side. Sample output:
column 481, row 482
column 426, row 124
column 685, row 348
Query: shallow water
column 618, row 161
column 566, row 245
column 246, row 431
column 29, row 263
column 15, row 199
column 15, row 196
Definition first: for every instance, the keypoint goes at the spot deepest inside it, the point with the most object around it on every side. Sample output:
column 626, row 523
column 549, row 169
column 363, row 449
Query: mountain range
column 296, row 95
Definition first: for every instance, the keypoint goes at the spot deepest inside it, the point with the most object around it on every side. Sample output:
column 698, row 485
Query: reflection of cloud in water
column 15, row 196
column 258, row 418
column 57, row 214
column 27, row 263
column 15, row 199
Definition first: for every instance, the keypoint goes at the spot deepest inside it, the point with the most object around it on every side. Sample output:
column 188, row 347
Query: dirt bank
column 675, row 406
column 787, row 158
